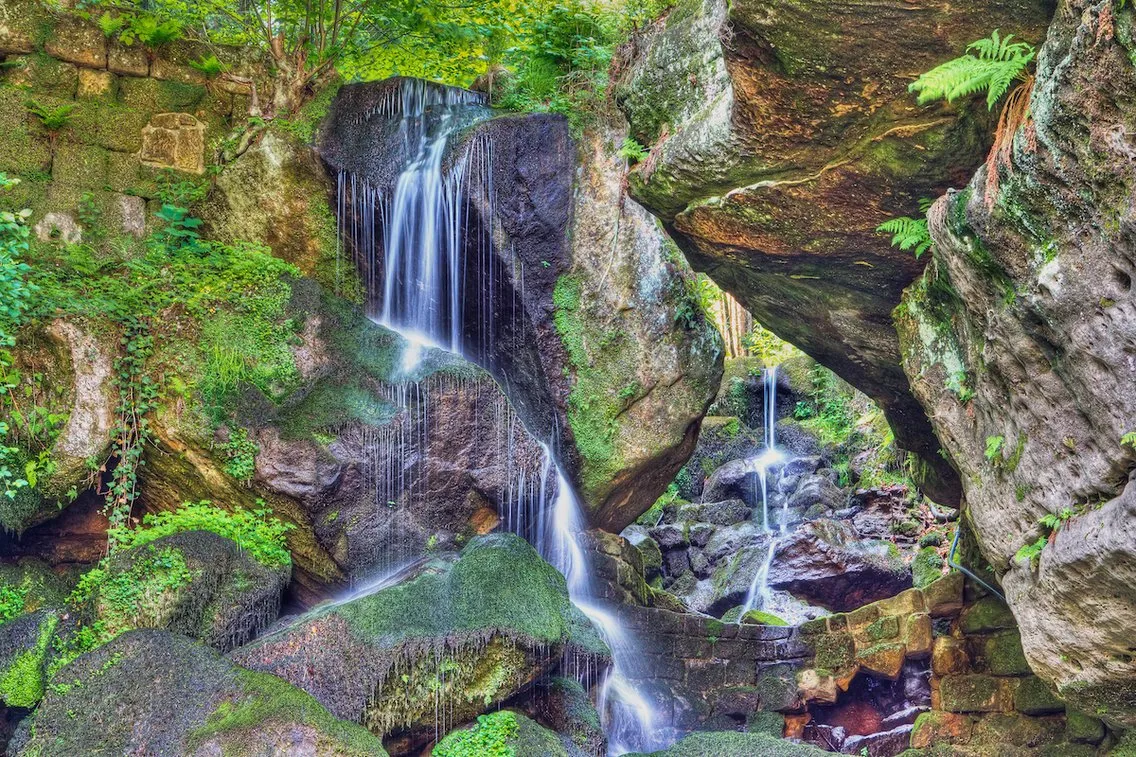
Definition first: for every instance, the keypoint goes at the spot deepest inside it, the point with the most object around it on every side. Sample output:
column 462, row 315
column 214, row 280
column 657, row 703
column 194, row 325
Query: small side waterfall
column 423, row 263
column 762, row 466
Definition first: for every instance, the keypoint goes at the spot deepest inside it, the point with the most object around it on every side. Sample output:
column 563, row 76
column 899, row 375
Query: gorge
column 500, row 380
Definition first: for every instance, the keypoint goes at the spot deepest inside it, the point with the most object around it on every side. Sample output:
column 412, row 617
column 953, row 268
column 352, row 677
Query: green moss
column 1034, row 697
column 1004, row 655
column 987, row 614
column 304, row 124
column 762, row 618
column 927, row 567
column 883, row 628
column 501, row 734
column 265, row 698
column 594, row 403
column 22, row 683
column 834, row 651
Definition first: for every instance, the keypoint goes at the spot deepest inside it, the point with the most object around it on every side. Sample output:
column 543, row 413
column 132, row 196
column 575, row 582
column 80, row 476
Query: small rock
column 59, row 226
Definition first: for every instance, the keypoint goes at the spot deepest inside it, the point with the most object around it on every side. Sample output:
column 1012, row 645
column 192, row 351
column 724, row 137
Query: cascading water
column 761, row 466
column 413, row 245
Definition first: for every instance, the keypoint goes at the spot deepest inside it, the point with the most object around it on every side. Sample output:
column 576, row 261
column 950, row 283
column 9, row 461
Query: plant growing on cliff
column 15, row 297
column 53, row 120
column 910, row 233
column 137, row 396
column 993, row 65
column 632, row 151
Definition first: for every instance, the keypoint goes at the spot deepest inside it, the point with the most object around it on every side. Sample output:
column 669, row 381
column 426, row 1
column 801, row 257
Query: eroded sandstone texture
column 1020, row 342
column 782, row 136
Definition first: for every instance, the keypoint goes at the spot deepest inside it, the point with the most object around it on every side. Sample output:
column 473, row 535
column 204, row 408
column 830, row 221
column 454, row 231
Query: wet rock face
column 160, row 693
column 782, row 137
column 1019, row 343
column 543, row 267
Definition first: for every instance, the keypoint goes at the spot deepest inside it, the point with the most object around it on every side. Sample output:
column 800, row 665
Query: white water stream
column 758, row 596
column 416, row 241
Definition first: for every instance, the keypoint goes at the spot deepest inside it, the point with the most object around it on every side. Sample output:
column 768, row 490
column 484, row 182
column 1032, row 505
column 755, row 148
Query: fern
column 990, row 65
column 908, row 234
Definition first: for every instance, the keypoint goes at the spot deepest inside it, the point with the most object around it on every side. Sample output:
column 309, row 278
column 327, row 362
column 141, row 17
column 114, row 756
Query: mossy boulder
column 25, row 650
column 195, row 583
column 30, row 584
column 763, row 618
column 469, row 630
column 734, row 744
column 159, row 693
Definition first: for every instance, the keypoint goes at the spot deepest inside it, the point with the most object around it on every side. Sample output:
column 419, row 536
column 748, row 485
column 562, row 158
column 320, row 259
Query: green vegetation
column 490, row 736
column 632, row 151
column 763, row 618
column 255, row 532
column 240, row 455
column 990, row 65
column 910, row 233
column 15, row 299
column 1050, row 524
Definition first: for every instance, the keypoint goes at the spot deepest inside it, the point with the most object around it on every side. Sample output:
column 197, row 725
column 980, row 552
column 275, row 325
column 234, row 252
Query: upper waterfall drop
column 422, row 239
column 411, row 239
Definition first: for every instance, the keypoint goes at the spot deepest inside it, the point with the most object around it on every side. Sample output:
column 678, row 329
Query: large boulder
column 195, row 583
column 782, row 136
column 1019, row 343
column 596, row 333
column 826, row 562
column 158, row 693
column 469, row 630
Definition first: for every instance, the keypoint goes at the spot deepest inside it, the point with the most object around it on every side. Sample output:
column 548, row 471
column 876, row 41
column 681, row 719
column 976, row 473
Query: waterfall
column 761, row 466
column 413, row 244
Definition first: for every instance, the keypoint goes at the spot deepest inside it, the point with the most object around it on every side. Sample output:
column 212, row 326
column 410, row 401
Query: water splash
column 628, row 718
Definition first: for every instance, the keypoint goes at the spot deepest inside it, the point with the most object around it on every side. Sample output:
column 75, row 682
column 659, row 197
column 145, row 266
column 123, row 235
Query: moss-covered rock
column 763, row 618
column 161, row 693
column 30, row 584
column 927, row 567
column 469, row 631
column 734, row 744
column 985, row 615
column 1004, row 655
column 195, row 583
column 25, row 650
column 1034, row 696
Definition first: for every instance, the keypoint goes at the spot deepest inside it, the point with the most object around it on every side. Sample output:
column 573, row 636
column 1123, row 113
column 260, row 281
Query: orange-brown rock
column 782, row 135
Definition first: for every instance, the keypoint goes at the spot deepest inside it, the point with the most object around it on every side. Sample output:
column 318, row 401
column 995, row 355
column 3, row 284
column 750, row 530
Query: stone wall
column 982, row 692
column 702, row 674
column 132, row 114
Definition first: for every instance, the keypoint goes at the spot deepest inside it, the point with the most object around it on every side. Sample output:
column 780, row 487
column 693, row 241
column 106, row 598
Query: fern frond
column 908, row 234
column 989, row 65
